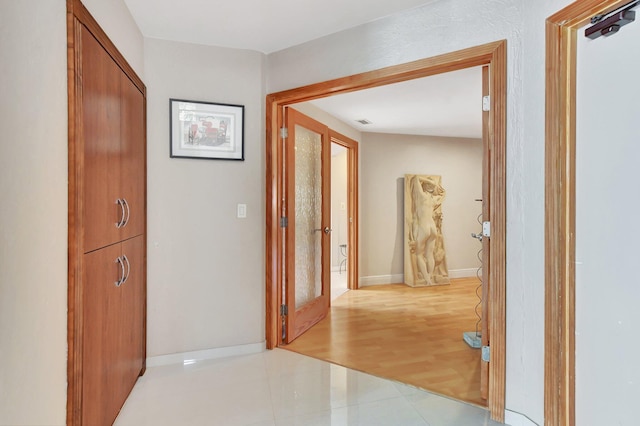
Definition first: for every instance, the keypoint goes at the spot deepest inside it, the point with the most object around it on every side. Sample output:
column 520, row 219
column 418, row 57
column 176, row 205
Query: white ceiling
column 442, row 105
column 263, row 25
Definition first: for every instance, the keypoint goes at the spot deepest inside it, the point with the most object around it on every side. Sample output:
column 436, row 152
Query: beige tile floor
column 279, row 387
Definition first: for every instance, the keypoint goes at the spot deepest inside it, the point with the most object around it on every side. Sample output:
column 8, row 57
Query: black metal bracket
column 612, row 24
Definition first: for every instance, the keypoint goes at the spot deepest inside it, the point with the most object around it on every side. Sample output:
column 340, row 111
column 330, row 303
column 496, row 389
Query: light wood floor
column 411, row 335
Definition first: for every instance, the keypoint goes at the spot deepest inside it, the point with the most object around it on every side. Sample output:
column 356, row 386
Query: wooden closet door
column 100, row 145
column 113, row 323
column 107, row 181
column 132, row 150
column 131, row 320
column 101, row 329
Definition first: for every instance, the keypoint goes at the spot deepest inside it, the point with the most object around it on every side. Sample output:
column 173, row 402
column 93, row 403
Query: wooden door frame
column 493, row 54
column 77, row 16
column 352, row 205
column 486, row 249
column 560, row 213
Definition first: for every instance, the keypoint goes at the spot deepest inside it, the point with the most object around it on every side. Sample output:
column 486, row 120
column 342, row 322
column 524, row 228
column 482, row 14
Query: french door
column 307, row 234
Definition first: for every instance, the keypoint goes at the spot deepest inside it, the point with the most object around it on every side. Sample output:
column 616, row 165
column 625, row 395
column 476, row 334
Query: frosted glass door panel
column 308, row 209
column 308, row 215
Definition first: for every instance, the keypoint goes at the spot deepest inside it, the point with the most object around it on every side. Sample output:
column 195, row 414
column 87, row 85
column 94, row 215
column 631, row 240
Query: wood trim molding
column 498, row 240
column 492, row 54
column 273, row 238
column 74, row 298
column 560, row 144
column 486, row 254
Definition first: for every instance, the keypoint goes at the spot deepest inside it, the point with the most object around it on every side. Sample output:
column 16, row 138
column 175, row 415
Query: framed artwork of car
column 206, row 130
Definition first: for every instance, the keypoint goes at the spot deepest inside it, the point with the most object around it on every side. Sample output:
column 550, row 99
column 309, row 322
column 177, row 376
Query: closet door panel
column 101, row 145
column 107, row 222
column 100, row 348
column 133, row 157
column 131, row 320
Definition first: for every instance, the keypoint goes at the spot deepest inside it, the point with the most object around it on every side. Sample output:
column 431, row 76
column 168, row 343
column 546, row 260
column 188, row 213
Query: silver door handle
column 126, row 277
column 120, row 223
column 126, row 219
column 121, row 279
column 477, row 236
column 326, row 230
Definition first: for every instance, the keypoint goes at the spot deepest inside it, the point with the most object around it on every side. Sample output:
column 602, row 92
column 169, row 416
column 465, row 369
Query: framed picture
column 206, row 130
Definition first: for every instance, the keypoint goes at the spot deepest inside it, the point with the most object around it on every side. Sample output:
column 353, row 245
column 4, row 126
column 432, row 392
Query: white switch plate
column 242, row 211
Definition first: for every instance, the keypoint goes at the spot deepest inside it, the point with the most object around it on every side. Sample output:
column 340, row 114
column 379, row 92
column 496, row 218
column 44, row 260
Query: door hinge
column 284, row 222
column 486, row 353
column 283, row 313
column 486, row 229
column 486, row 103
column 284, row 133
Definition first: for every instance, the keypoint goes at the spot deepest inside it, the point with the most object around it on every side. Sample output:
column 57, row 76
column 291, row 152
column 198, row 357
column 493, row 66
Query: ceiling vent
column 363, row 121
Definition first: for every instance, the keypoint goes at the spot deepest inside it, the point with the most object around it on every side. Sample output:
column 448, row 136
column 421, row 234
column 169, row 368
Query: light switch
column 242, row 211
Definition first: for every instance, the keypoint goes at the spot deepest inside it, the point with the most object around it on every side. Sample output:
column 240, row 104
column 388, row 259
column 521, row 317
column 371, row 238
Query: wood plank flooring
column 411, row 335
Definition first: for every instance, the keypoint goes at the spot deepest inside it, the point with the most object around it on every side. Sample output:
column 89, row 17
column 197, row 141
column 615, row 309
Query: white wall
column 205, row 266
column 525, row 213
column 607, row 228
column 33, row 211
column 385, row 159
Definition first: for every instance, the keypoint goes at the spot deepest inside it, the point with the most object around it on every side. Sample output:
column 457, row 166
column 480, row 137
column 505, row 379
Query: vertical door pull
column 126, row 277
column 121, row 278
column 120, row 223
column 128, row 210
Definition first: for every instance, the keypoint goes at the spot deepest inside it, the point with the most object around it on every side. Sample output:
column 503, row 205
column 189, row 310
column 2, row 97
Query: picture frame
column 206, row 130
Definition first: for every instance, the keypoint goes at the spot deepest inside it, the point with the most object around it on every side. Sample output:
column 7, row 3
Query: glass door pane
column 308, row 215
column 308, row 196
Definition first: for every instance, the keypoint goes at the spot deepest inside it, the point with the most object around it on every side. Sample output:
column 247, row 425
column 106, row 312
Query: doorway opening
column 344, row 193
column 493, row 55
column 431, row 125
column 339, row 221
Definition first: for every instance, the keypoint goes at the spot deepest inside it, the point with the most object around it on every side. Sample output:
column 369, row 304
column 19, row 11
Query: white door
column 608, row 228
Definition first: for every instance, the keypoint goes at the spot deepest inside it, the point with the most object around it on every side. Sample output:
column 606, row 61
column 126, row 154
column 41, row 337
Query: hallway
column 284, row 388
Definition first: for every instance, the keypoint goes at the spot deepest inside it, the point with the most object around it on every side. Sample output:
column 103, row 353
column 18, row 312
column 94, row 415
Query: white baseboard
column 463, row 273
column 399, row 278
column 512, row 418
column 381, row 280
column 180, row 358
